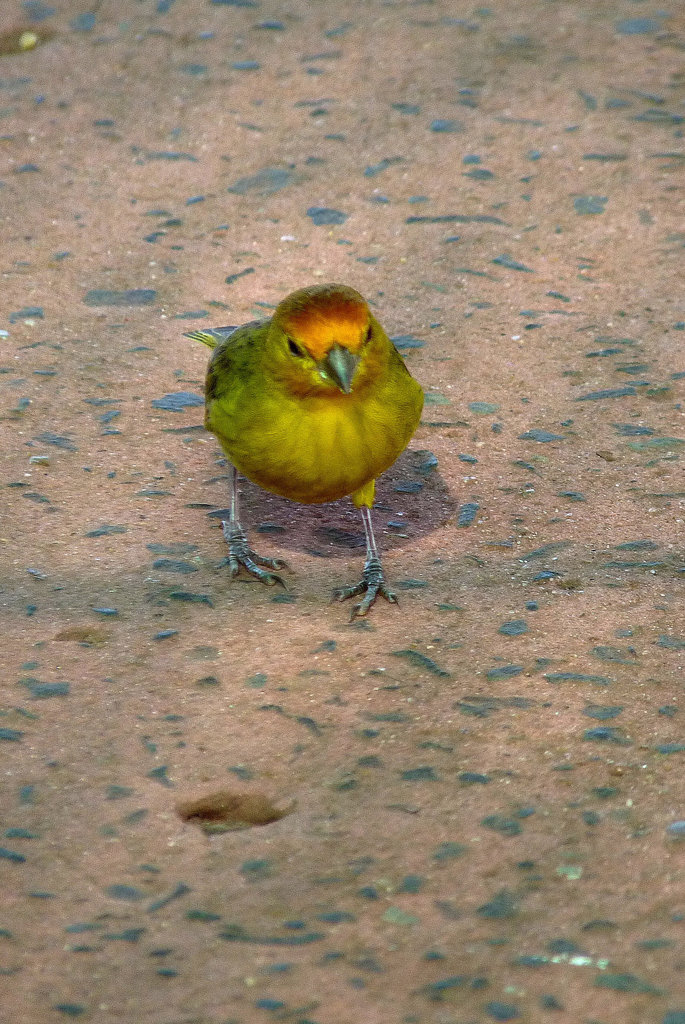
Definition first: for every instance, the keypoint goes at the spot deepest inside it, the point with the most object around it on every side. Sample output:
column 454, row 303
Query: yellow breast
column 316, row 451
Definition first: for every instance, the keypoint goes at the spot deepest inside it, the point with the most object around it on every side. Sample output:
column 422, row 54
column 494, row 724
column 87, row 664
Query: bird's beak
column 340, row 365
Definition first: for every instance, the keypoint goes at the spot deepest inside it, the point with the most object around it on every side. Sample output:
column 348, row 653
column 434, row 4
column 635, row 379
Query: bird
column 312, row 404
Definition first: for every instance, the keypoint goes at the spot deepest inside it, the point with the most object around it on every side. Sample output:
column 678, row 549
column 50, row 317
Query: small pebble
column 516, row 627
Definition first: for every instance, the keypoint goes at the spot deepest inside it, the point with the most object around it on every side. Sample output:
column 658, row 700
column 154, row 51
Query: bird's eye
column 295, row 349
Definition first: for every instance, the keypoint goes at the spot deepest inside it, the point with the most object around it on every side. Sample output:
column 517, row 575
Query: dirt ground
column 224, row 803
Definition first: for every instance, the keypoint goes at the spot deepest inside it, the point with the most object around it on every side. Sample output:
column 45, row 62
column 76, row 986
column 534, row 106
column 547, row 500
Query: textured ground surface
column 479, row 790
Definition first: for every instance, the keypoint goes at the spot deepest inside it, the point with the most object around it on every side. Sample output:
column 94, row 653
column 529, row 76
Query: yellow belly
column 316, row 451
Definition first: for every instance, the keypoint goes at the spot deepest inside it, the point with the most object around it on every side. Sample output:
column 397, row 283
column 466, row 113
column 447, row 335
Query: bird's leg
column 373, row 580
column 239, row 551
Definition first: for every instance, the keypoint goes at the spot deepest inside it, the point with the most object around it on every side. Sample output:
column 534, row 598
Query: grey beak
column 340, row 365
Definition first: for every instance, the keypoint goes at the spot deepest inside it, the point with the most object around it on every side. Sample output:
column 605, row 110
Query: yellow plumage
column 313, row 405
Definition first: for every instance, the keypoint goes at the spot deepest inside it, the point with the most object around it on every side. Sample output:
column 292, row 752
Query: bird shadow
column 412, row 500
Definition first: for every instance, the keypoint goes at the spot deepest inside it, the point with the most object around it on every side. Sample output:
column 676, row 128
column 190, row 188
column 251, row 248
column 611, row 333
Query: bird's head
column 318, row 337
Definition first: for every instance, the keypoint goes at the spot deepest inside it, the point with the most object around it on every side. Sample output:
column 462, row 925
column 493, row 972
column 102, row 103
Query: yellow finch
column 313, row 405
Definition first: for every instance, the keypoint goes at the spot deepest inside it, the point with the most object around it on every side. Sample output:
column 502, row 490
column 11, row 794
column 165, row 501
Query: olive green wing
column 213, row 337
column 234, row 361
column 408, row 393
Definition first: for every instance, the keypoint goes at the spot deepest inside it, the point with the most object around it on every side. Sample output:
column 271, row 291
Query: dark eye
column 295, row 349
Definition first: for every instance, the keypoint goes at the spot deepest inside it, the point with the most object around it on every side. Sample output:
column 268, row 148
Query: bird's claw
column 249, row 563
column 241, row 555
column 372, row 585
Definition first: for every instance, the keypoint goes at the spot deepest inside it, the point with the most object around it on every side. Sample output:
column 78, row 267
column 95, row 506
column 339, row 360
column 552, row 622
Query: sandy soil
column 224, row 804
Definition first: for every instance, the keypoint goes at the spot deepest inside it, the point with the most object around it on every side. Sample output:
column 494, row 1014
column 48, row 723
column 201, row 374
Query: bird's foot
column 241, row 554
column 372, row 585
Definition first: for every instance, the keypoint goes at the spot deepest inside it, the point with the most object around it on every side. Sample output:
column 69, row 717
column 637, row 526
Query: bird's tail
column 211, row 338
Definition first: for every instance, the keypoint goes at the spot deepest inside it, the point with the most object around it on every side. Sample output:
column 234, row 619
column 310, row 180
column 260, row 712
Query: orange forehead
column 322, row 315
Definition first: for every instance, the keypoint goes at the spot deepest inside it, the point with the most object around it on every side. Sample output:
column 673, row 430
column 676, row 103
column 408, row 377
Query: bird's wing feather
column 233, row 359
column 214, row 336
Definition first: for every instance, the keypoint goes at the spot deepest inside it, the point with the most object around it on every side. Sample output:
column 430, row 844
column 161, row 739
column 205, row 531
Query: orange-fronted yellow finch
column 313, row 405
